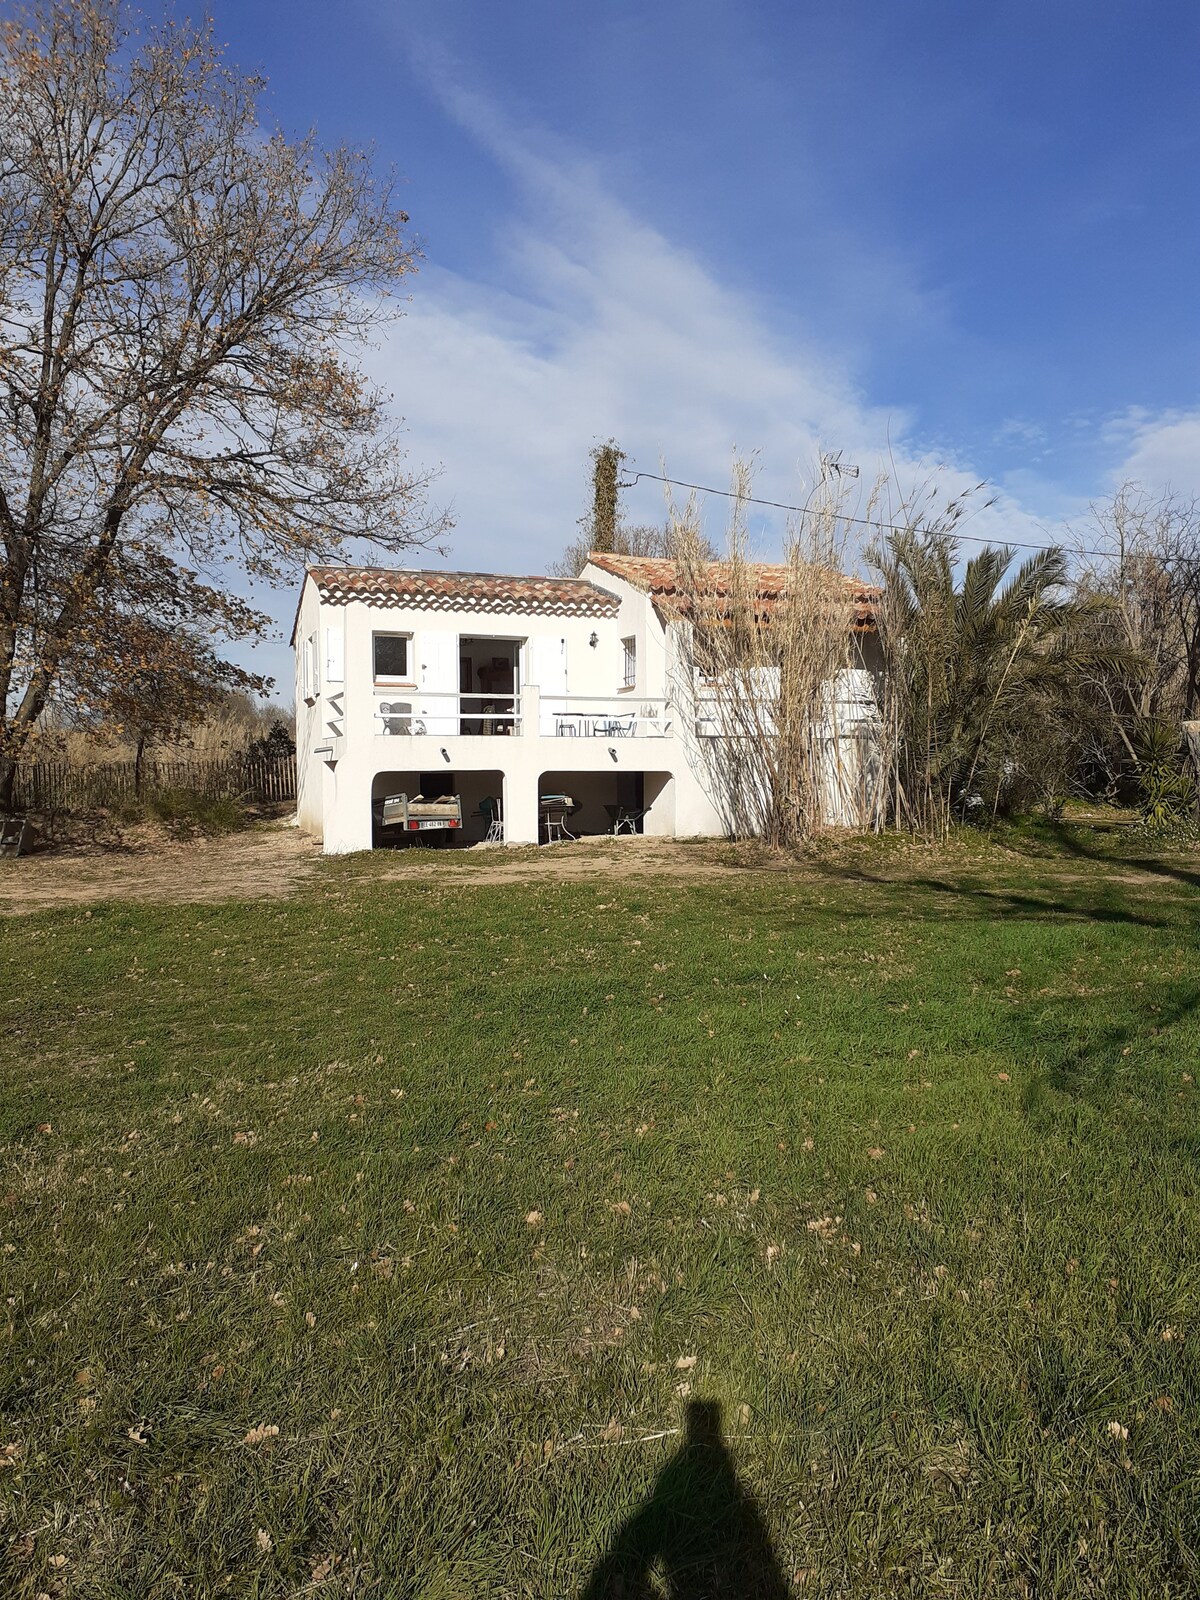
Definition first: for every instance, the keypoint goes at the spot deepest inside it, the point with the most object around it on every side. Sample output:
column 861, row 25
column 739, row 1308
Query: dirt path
column 264, row 862
column 585, row 859
column 272, row 861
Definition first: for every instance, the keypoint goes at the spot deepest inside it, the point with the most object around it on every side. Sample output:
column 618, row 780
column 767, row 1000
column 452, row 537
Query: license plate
column 431, row 822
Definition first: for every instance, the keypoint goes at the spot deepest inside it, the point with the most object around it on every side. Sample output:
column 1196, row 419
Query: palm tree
column 981, row 675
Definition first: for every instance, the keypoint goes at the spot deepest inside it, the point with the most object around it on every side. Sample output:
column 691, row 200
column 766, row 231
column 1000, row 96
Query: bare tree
column 1140, row 554
column 182, row 295
column 640, row 539
column 764, row 659
column 1142, row 551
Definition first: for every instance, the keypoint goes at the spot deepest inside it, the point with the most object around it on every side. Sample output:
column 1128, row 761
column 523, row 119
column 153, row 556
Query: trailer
column 419, row 815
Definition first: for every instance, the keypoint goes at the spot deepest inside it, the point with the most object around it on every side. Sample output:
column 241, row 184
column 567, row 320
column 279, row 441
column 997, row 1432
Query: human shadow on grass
column 700, row 1535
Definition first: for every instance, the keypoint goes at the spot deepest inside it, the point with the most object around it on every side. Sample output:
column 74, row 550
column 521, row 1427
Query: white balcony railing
column 414, row 713
column 438, row 714
column 585, row 716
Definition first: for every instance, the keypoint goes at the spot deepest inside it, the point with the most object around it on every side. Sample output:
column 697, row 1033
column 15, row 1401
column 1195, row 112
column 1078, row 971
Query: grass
column 184, row 813
column 479, row 1194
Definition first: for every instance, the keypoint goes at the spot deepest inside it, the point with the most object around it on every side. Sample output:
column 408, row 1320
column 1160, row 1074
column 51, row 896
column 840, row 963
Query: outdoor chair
column 396, row 716
column 489, row 807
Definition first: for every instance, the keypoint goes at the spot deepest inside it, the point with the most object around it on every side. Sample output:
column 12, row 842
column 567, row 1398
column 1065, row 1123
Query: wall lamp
column 594, row 640
column 612, row 750
column 445, row 754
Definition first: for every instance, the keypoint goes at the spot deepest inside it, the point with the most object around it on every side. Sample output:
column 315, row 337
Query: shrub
column 183, row 812
column 1166, row 789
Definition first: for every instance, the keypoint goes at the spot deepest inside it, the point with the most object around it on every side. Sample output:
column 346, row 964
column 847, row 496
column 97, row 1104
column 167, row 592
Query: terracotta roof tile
column 463, row 591
column 659, row 579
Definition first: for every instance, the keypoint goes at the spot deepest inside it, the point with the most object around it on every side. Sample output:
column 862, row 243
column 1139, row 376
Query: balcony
column 417, row 714
column 581, row 716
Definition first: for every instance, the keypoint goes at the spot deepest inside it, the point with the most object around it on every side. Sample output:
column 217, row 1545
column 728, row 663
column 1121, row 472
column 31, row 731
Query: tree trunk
column 1191, row 741
column 8, row 782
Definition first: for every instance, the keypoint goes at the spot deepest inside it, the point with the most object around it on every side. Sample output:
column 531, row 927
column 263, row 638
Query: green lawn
column 378, row 1241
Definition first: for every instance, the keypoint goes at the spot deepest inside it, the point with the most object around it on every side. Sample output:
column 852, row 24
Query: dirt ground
column 273, row 860
column 626, row 857
column 266, row 861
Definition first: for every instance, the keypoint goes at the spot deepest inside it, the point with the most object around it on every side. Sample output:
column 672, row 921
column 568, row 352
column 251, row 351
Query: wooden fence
column 66, row 786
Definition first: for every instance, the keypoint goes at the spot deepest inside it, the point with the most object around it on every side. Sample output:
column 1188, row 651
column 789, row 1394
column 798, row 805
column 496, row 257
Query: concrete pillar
column 521, row 803
column 348, row 820
column 521, row 762
column 531, row 712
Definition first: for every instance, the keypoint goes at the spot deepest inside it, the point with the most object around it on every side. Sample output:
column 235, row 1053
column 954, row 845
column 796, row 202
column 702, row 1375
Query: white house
column 505, row 689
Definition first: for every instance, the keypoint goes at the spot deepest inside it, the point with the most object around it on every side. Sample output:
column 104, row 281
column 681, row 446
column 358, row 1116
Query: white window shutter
column 548, row 669
column 548, row 665
column 437, row 655
column 335, row 653
column 309, row 673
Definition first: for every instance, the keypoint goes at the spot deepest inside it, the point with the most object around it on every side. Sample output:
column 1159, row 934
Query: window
column 391, row 657
column 630, row 648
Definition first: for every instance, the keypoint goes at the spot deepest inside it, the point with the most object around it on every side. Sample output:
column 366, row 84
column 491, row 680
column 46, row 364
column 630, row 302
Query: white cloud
column 1159, row 452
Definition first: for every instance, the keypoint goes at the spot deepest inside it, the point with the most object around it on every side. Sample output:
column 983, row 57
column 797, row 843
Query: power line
column 865, row 522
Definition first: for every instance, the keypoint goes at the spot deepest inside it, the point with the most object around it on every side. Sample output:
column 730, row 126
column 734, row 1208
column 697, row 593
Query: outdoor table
column 555, row 809
column 588, row 724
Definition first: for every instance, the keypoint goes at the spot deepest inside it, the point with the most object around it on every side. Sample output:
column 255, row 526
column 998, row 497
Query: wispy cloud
column 605, row 327
column 589, row 322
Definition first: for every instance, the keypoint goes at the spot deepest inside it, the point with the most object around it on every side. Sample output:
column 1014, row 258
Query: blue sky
column 958, row 233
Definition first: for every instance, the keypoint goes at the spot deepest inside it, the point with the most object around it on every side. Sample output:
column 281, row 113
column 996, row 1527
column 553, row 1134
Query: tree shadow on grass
column 1095, row 1059
column 972, row 899
column 1070, row 841
column 1084, row 900
column 700, row 1536
column 1095, row 1056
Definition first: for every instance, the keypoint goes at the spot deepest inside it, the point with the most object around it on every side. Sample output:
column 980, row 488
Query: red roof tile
column 659, row 579
column 463, row 591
